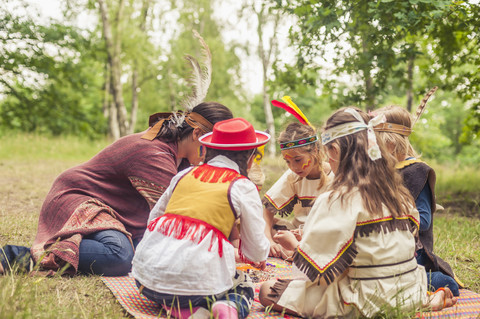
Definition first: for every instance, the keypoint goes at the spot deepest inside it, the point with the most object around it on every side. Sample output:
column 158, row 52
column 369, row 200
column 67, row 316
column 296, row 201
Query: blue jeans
column 437, row 279
column 15, row 258
column 241, row 294
column 107, row 252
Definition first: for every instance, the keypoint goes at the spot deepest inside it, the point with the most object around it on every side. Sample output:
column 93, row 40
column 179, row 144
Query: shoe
column 224, row 309
column 200, row 313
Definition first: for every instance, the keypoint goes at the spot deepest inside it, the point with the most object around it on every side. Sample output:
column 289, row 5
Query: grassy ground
column 29, row 165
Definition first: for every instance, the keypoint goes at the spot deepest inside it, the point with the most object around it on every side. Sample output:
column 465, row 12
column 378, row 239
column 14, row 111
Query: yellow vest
column 204, row 194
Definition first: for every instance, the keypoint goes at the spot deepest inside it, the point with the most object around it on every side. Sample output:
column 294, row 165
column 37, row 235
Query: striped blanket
column 124, row 289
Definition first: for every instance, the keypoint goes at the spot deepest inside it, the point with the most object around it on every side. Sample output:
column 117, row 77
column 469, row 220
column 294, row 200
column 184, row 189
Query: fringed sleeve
column 281, row 197
column 328, row 248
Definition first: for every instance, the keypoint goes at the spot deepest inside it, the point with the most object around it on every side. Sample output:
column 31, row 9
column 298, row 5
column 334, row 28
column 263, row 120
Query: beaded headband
column 354, row 127
column 298, row 143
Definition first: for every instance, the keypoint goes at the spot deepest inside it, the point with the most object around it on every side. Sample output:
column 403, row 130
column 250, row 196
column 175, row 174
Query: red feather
column 289, row 110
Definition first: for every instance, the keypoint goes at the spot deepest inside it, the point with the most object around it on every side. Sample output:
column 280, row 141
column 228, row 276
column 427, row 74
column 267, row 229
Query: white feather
column 200, row 78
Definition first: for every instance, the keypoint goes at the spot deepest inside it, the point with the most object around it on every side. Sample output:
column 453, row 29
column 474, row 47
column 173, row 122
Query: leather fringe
column 184, row 227
column 331, row 271
column 385, row 226
column 277, row 289
column 288, row 208
column 211, row 174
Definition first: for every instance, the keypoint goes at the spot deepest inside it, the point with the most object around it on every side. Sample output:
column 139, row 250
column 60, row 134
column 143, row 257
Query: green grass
column 29, row 164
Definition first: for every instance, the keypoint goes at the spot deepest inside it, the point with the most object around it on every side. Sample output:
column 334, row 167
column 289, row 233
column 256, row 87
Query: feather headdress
column 293, row 109
column 423, row 105
column 199, row 82
column 201, row 76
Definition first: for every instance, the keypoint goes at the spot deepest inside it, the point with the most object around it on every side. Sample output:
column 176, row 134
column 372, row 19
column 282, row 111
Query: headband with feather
column 200, row 78
column 293, row 109
column 421, row 108
column 199, row 81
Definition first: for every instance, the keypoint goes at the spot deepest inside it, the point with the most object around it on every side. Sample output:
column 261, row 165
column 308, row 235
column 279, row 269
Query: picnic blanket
column 124, row 289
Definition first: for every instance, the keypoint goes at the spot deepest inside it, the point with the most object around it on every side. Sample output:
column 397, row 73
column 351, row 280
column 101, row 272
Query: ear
column 250, row 160
column 196, row 134
column 333, row 151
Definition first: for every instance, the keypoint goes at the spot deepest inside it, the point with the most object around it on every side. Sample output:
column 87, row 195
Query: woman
column 96, row 213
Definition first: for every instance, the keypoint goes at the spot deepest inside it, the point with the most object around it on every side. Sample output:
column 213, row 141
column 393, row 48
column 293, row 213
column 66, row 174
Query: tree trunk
column 171, row 91
column 114, row 129
column 135, row 85
column 265, row 57
column 369, row 90
column 410, row 65
column 113, row 44
column 135, row 89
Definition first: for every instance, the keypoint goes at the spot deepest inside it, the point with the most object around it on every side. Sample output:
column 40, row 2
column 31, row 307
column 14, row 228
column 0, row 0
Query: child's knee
column 265, row 289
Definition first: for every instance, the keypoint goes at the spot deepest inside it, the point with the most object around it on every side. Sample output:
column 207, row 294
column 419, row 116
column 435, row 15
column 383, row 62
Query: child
column 419, row 178
column 296, row 190
column 358, row 245
column 184, row 260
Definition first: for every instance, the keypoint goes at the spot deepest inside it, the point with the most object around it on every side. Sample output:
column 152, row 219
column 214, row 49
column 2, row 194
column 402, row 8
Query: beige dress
column 292, row 194
column 356, row 263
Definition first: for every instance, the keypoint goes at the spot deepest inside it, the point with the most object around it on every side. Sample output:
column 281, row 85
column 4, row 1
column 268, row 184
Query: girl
column 357, row 252
column 296, row 190
column 419, row 178
column 184, row 260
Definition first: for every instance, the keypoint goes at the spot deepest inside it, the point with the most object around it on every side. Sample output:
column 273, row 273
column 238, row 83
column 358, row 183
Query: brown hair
column 295, row 131
column 378, row 181
column 401, row 144
column 212, row 111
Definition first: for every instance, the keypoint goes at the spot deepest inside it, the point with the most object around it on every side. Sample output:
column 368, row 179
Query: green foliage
column 50, row 78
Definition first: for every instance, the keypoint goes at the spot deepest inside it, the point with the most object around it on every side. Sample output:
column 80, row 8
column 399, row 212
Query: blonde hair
column 400, row 143
column 295, row 131
column 378, row 181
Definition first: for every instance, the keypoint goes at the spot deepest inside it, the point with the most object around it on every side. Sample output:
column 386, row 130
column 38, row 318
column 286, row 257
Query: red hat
column 235, row 134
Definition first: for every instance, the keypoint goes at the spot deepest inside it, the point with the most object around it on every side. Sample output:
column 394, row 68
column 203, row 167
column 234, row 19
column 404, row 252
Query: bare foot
column 442, row 298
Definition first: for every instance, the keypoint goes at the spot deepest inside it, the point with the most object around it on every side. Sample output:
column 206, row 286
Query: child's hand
column 237, row 255
column 260, row 265
column 287, row 239
column 298, row 233
column 275, row 249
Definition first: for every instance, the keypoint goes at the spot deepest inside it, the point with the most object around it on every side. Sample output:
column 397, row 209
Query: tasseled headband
column 193, row 119
column 401, row 129
column 354, row 127
column 393, row 128
column 293, row 109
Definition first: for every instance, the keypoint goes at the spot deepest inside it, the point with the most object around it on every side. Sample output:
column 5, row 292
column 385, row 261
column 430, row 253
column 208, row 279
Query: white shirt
column 184, row 267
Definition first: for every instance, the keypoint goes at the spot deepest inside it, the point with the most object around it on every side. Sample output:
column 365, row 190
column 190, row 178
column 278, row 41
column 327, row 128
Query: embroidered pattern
column 149, row 190
column 298, row 143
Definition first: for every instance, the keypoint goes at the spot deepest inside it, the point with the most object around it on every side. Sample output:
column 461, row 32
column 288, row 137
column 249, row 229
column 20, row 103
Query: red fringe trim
column 212, row 174
column 184, row 227
column 242, row 257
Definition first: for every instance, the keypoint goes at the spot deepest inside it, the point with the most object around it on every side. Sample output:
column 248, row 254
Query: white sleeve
column 246, row 202
column 161, row 205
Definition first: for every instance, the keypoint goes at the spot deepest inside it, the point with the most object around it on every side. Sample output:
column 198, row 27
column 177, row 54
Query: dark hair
column 239, row 157
column 378, row 181
column 212, row 111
